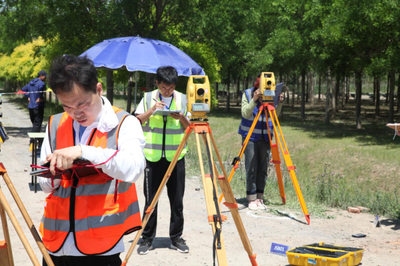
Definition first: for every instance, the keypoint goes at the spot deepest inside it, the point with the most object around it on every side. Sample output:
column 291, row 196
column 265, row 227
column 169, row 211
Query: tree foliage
column 231, row 39
column 24, row 62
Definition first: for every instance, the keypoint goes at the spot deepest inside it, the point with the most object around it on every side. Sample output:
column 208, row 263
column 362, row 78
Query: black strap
column 217, row 216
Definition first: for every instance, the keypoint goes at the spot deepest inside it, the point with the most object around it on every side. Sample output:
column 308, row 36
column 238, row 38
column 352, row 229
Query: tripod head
column 198, row 97
column 267, row 87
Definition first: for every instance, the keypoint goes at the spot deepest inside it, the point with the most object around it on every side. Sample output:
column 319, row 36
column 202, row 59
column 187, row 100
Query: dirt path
column 382, row 245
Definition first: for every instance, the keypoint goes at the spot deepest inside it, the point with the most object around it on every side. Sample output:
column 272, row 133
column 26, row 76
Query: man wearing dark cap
column 35, row 90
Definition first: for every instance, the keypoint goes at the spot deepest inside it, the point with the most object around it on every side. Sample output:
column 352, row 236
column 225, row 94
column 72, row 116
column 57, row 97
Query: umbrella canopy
column 141, row 54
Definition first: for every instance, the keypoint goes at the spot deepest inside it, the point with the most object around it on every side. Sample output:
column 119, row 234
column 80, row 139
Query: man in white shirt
column 86, row 216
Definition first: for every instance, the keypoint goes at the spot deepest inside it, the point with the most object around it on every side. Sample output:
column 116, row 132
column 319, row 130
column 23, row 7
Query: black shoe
column 144, row 247
column 180, row 245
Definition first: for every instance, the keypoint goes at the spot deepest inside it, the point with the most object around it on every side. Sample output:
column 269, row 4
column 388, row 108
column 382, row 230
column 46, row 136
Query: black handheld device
column 46, row 172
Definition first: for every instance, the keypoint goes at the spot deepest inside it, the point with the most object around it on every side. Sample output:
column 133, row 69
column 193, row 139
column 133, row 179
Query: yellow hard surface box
column 356, row 254
column 308, row 256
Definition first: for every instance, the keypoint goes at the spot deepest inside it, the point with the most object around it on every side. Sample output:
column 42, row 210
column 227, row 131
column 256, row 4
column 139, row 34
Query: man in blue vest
column 163, row 135
column 36, row 89
column 258, row 149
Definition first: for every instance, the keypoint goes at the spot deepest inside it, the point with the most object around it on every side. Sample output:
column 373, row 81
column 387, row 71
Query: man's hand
column 256, row 95
column 158, row 106
column 63, row 159
column 182, row 119
column 178, row 116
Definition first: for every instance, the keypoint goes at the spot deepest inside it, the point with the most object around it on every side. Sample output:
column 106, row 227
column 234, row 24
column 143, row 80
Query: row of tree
column 232, row 40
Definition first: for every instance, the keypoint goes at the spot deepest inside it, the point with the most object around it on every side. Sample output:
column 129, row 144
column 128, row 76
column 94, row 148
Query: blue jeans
column 257, row 156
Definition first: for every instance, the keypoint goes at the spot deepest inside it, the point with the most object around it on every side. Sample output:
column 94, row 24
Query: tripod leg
column 10, row 259
column 28, row 220
column 232, row 204
column 214, row 217
column 276, row 160
column 289, row 164
column 150, row 209
column 18, row 228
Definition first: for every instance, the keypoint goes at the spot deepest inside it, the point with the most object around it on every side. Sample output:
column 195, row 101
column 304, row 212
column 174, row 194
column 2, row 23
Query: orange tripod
column 275, row 156
column 215, row 218
column 6, row 258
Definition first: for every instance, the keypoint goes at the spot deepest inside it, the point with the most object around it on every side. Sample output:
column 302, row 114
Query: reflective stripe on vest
column 153, row 129
column 97, row 221
column 261, row 126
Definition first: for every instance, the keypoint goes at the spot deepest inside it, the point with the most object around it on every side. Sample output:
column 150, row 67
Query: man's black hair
column 167, row 74
column 68, row 70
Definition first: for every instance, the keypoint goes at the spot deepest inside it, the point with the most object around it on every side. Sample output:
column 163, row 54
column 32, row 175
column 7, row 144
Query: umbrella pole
column 136, row 79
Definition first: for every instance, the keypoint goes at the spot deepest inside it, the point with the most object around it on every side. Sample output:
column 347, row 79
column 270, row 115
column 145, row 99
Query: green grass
column 336, row 165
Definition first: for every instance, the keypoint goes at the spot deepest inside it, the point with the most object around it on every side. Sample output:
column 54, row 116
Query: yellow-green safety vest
column 153, row 129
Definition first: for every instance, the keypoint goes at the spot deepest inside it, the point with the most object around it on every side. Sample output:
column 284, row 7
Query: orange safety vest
column 85, row 206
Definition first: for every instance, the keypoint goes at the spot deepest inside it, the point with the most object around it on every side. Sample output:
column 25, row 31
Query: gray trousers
column 257, row 156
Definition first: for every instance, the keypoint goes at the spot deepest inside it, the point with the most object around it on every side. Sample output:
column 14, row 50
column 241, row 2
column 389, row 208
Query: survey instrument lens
column 198, row 97
column 200, row 92
column 267, row 87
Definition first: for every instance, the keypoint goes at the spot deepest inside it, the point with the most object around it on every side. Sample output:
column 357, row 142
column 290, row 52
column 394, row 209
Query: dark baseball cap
column 42, row 73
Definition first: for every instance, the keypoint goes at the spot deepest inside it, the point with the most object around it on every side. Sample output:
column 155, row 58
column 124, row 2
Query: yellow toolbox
column 308, row 256
column 356, row 254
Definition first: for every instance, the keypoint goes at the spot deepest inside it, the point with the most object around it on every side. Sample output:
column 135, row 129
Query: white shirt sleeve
column 140, row 108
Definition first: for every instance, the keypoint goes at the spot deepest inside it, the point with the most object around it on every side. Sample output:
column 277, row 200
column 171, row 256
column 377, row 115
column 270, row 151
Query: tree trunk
column 347, row 89
column 358, row 83
column 238, row 92
column 298, row 90
column 311, row 86
column 328, row 92
column 150, row 81
column 307, row 88
column 334, row 103
column 293, row 91
column 228, row 94
column 343, row 91
column 374, row 90
column 391, row 96
column 319, row 88
column 377, row 85
column 110, row 85
column 303, row 95
column 337, row 88
column 387, row 89
column 398, row 94
column 129, row 98
column 216, row 90
column 287, row 90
